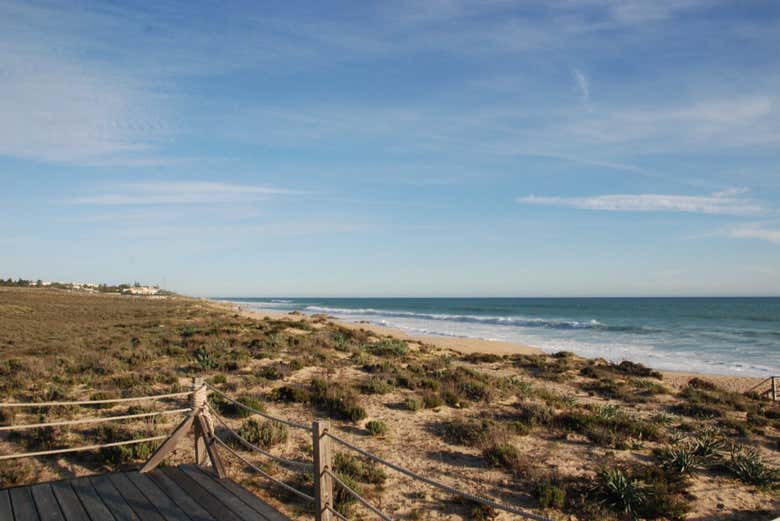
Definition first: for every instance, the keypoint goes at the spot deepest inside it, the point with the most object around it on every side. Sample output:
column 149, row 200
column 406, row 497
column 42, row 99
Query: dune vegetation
column 575, row 438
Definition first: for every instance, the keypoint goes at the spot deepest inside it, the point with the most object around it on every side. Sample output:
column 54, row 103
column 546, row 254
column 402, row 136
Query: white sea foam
column 590, row 338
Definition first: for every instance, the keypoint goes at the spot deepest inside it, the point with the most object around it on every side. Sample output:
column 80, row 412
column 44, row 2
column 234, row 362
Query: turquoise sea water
column 716, row 335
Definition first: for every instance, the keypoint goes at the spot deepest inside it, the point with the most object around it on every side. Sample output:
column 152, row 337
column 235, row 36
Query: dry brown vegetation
column 581, row 439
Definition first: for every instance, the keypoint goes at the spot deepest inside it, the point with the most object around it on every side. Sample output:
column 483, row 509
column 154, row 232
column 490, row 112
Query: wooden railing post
column 774, row 389
column 323, row 483
column 198, row 403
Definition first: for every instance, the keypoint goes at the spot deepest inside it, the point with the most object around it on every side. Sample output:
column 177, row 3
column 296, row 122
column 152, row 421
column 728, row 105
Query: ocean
column 737, row 336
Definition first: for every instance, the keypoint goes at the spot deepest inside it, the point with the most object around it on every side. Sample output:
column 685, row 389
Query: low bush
column 388, row 347
column 264, row 434
column 412, row 403
column 291, row 394
column 375, row 386
column 232, row 410
column 432, row 400
column 471, row 433
column 502, row 455
column 337, row 400
column 359, row 469
column 550, row 494
column 377, row 428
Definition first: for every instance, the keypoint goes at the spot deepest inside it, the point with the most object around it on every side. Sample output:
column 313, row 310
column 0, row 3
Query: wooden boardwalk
column 185, row 493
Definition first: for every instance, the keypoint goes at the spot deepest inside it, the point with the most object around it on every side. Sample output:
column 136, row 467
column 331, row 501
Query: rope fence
column 437, row 484
column 307, row 467
column 80, row 449
column 259, row 413
column 95, row 402
column 265, row 474
column 62, row 423
column 358, row 497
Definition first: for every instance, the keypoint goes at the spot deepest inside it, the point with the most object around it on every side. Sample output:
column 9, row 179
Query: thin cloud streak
column 755, row 231
column 729, row 202
column 183, row 192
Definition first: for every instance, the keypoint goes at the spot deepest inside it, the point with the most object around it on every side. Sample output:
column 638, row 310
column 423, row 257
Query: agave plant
column 747, row 464
column 681, row 458
column 708, row 445
column 618, row 491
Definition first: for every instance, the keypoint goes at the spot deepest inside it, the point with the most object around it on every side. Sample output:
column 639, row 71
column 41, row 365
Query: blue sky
column 558, row 148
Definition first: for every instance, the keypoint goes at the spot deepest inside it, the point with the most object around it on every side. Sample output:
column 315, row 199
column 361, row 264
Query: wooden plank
column 169, row 445
column 235, row 504
column 210, row 503
column 161, row 501
column 94, row 506
column 185, row 502
column 6, row 514
column 137, row 501
column 23, row 504
column 113, row 499
column 46, row 503
column 68, row 501
column 247, row 497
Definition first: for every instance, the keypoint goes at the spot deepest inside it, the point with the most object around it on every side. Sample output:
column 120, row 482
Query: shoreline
column 677, row 379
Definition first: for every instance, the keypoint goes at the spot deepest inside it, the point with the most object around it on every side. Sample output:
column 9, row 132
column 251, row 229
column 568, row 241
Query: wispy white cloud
column 582, row 85
column 730, row 202
column 182, row 192
column 758, row 231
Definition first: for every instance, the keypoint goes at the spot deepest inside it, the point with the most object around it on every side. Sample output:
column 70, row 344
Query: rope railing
column 259, row 413
column 263, row 473
column 357, row 496
column 308, row 467
column 437, row 484
column 62, row 423
column 80, row 449
column 97, row 402
column 100, row 419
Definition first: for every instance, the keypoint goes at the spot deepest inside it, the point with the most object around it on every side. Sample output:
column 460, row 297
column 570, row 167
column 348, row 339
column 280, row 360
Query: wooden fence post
column 323, row 483
column 774, row 389
column 198, row 403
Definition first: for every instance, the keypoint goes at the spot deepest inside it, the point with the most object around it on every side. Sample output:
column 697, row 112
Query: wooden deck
column 185, row 493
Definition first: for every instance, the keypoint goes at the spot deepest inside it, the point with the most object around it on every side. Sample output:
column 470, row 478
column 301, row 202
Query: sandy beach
column 677, row 379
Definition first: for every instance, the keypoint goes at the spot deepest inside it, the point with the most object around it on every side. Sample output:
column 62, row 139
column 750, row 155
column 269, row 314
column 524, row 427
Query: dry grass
column 556, row 432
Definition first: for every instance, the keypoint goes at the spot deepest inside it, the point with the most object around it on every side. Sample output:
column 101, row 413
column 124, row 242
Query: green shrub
column 264, row 434
column 388, row 347
column 343, row 499
column 375, row 386
column 377, row 428
column 218, row 379
column 502, row 455
column 291, row 394
column 232, row 410
column 337, row 400
column 470, row 433
column 412, row 403
column 550, row 494
column 359, row 469
column 432, row 400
